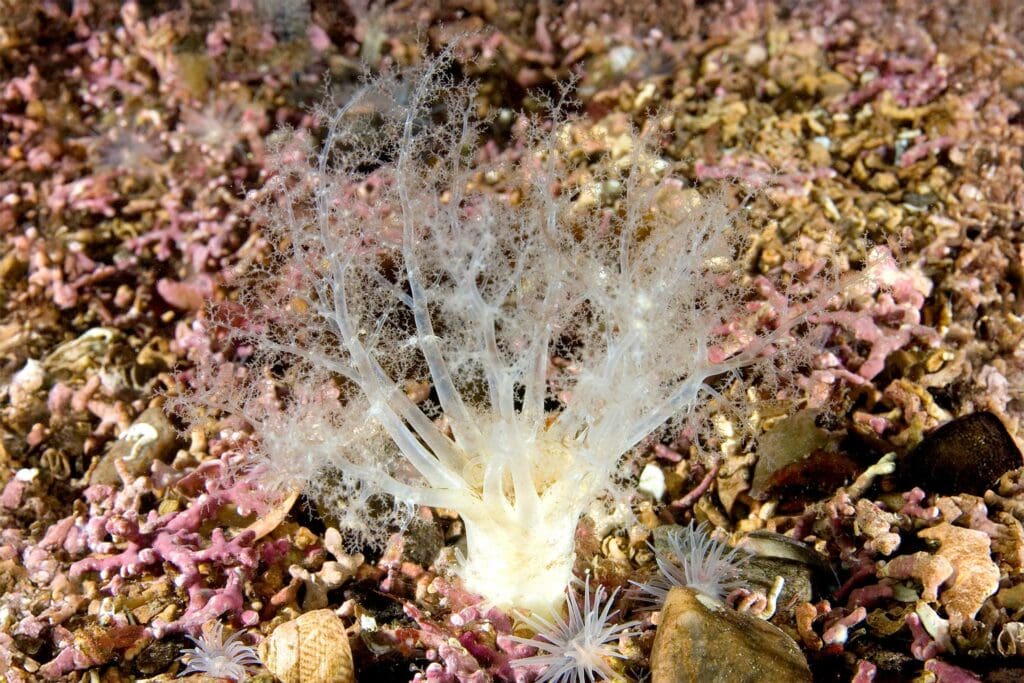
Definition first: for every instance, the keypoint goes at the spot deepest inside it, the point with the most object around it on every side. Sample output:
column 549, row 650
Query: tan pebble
column 885, row 182
column 699, row 639
column 313, row 648
column 1011, row 598
column 831, row 84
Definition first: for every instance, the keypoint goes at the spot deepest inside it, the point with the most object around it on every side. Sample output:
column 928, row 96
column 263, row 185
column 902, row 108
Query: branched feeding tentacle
column 555, row 327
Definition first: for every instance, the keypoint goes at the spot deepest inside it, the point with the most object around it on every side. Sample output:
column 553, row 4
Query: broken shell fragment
column 313, row 648
column 1011, row 640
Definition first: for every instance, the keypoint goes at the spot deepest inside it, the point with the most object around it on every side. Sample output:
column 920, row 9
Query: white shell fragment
column 1011, row 640
column 311, row 649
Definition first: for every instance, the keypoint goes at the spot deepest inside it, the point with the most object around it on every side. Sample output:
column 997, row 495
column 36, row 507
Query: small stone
column 818, row 154
column 422, row 542
column 699, row 639
column 158, row 656
column 922, row 202
column 1011, row 598
column 755, row 55
column 831, row 84
column 760, row 573
column 150, row 438
column 805, row 572
column 784, row 448
column 966, row 455
column 885, row 181
column 889, row 621
column 148, row 611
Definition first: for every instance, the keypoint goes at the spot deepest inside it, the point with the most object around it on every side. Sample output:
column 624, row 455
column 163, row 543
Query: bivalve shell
column 311, row 649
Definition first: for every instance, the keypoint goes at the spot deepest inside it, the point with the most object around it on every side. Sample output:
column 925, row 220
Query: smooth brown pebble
column 700, row 640
column 966, row 455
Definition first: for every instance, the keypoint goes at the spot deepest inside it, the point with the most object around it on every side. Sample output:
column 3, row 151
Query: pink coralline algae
column 948, row 673
column 890, row 320
column 209, row 568
column 157, row 157
column 924, row 647
column 473, row 647
column 175, row 539
column 839, row 627
column 78, row 653
column 758, row 173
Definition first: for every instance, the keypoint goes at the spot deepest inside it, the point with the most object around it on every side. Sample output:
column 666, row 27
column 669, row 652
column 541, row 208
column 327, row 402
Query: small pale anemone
column 575, row 650
column 695, row 560
column 216, row 657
